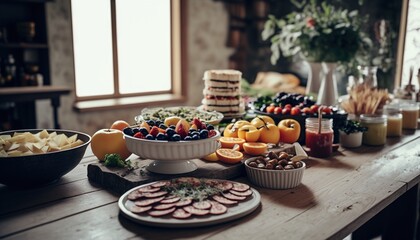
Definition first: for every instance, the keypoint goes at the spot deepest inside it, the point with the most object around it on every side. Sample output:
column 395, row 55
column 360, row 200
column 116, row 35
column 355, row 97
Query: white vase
column 314, row 78
column 328, row 93
column 351, row 140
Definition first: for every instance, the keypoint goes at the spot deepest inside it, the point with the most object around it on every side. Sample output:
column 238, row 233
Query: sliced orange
column 229, row 142
column 228, row 155
column 255, row 148
column 211, row 157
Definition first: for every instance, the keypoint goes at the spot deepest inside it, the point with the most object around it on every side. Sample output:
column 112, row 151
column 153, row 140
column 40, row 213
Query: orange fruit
column 211, row 157
column 120, row 125
column 228, row 155
column 255, row 148
column 108, row 141
column 229, row 142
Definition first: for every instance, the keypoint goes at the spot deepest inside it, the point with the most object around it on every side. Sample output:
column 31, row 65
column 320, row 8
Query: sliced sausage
column 202, row 205
column 164, row 206
column 224, row 186
column 191, row 180
column 134, row 195
column 137, row 209
column 183, row 202
column 224, row 200
column 217, row 208
column 160, row 184
column 240, row 187
column 195, row 211
column 181, row 214
column 242, row 194
column 231, row 196
column 159, row 213
column 170, row 200
column 148, row 201
column 154, row 194
column 148, row 189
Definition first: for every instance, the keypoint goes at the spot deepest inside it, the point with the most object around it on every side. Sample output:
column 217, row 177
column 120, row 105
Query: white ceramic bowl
column 274, row 179
column 351, row 140
column 172, row 157
column 168, row 150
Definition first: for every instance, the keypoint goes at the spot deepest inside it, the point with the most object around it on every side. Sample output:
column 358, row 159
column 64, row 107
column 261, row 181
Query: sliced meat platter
column 187, row 197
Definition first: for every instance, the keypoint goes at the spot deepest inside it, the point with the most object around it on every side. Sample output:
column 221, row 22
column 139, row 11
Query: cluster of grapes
column 159, row 131
column 282, row 99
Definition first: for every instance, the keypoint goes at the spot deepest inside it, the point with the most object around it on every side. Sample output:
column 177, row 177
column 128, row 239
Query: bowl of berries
column 170, row 145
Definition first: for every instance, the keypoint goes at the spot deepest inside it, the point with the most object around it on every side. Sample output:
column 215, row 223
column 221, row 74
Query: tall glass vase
column 314, row 78
column 328, row 93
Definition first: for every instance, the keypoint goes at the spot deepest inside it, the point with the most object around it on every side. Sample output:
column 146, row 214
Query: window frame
column 178, row 90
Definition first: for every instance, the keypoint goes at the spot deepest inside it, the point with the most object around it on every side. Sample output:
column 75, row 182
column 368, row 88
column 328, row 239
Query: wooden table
column 31, row 94
column 336, row 197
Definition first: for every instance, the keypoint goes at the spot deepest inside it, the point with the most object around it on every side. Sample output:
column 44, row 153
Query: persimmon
column 120, row 125
column 108, row 141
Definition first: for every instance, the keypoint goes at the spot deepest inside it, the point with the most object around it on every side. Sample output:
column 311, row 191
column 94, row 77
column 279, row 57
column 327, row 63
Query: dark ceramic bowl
column 38, row 169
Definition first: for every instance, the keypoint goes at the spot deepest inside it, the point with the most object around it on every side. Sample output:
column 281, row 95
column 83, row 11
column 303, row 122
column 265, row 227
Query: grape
column 151, row 122
column 170, row 132
column 128, row 131
column 204, row 134
column 143, row 131
column 161, row 136
column 176, row 137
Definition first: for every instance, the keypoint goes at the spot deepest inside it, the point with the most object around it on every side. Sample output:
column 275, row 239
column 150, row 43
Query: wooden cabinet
column 24, row 57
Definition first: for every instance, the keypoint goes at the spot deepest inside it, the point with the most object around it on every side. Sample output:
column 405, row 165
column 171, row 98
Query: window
column 126, row 52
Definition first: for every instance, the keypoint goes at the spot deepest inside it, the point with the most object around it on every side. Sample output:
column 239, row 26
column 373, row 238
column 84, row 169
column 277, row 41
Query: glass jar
column 410, row 114
column 320, row 142
column 394, row 121
column 376, row 129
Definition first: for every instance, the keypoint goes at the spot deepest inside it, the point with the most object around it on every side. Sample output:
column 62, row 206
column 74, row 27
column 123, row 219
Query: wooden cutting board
column 121, row 180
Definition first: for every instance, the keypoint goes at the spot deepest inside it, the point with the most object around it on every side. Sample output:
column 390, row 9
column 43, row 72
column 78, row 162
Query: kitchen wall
column 207, row 23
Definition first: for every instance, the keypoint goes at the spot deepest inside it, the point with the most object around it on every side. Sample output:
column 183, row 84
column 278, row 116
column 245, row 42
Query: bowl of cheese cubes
column 32, row 157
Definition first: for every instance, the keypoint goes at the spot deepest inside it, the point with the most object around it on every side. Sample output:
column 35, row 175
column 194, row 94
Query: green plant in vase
column 317, row 32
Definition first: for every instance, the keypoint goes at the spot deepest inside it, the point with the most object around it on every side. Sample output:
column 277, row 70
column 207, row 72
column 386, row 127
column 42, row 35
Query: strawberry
column 154, row 131
column 212, row 133
column 139, row 135
column 198, row 123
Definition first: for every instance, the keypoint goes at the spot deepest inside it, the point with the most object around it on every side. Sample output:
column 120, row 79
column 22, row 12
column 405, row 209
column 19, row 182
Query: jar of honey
column 376, row 129
column 319, row 138
column 394, row 121
column 410, row 114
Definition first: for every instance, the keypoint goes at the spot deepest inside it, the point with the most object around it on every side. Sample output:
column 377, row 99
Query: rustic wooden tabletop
column 336, row 197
